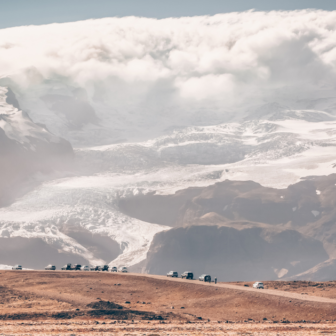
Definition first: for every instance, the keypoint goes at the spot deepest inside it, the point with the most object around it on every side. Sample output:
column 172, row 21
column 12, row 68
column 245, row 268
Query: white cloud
column 229, row 59
column 207, row 87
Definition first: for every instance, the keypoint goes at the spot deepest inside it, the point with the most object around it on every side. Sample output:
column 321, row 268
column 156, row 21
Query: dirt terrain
column 57, row 302
column 319, row 289
column 156, row 328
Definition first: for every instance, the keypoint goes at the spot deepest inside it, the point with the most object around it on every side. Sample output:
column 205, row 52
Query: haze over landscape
column 203, row 142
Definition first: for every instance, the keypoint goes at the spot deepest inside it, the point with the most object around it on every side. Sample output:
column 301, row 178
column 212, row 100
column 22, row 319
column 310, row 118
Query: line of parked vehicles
column 123, row 269
column 78, row 267
column 205, row 278
column 190, row 275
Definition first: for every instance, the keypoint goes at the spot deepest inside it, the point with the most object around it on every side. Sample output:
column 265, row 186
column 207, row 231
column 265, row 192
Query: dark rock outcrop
column 233, row 255
column 307, row 206
column 298, row 205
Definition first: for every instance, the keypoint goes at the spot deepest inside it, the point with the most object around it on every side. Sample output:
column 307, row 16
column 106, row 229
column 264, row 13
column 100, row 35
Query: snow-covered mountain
column 28, row 150
column 151, row 107
column 275, row 146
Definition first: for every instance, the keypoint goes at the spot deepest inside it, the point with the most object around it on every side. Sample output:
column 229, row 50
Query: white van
column 123, row 269
column 17, row 268
column 258, row 285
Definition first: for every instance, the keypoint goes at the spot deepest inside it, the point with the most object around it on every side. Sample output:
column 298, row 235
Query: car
column 172, row 274
column 105, row 268
column 66, row 267
column 17, row 268
column 187, row 275
column 114, row 269
column 123, row 269
column 258, row 285
column 85, row 268
column 94, row 268
column 50, row 268
column 76, row 267
column 205, row 278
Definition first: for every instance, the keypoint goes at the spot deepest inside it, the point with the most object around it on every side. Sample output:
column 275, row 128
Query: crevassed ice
column 108, row 173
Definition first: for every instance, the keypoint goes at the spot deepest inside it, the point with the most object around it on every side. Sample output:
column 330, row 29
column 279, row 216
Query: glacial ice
column 273, row 152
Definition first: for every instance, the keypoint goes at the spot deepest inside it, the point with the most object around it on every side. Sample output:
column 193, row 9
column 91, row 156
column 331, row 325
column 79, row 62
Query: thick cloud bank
column 204, row 67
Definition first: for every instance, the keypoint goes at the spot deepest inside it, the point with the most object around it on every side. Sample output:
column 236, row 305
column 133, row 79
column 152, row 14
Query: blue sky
column 35, row 12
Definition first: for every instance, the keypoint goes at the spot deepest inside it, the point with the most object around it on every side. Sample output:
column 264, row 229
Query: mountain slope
column 125, row 191
column 233, row 255
column 306, row 204
column 25, row 148
column 304, row 209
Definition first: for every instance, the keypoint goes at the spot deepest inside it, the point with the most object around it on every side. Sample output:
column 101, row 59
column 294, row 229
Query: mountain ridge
column 275, row 148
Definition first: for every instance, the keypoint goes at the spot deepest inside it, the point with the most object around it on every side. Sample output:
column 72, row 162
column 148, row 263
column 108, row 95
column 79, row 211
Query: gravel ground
column 152, row 328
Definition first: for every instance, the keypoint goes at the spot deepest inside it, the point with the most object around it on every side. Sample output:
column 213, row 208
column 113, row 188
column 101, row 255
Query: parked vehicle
column 172, row 274
column 76, row 267
column 50, row 268
column 17, row 268
column 205, row 278
column 114, row 269
column 187, row 275
column 66, row 267
column 123, row 269
column 85, row 268
column 95, row 268
column 105, row 268
column 258, row 285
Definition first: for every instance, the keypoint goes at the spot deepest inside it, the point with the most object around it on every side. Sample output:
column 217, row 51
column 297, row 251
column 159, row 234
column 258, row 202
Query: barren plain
column 96, row 303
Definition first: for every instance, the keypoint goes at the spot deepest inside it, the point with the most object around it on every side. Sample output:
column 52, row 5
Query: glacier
column 276, row 151
column 155, row 106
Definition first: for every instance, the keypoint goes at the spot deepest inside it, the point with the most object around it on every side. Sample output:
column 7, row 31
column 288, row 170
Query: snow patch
column 280, row 273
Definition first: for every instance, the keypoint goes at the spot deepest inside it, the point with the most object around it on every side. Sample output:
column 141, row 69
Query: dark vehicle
column 105, row 268
column 66, row 267
column 114, row 269
column 69, row 267
column 205, row 278
column 187, row 275
column 95, row 268
column 50, row 268
column 172, row 274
